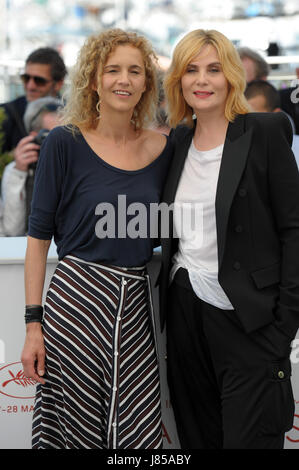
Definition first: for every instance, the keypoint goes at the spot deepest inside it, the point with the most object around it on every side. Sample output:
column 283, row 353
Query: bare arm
column 33, row 355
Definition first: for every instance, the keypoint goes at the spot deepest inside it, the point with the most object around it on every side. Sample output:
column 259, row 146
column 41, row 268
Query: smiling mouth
column 203, row 94
column 122, row 93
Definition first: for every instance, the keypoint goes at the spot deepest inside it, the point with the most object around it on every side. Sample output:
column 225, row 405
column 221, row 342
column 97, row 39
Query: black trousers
column 229, row 389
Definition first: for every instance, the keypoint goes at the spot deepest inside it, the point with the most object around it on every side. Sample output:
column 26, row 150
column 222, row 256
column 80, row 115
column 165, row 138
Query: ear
column 94, row 86
column 276, row 110
column 58, row 85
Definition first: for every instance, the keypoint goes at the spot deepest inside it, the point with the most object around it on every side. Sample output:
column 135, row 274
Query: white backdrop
column 17, row 392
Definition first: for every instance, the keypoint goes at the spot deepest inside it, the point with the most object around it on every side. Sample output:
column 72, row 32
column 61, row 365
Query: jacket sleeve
column 284, row 192
column 2, row 234
column 14, row 201
column 6, row 129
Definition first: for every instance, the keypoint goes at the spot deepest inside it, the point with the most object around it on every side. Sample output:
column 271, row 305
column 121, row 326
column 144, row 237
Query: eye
column 190, row 70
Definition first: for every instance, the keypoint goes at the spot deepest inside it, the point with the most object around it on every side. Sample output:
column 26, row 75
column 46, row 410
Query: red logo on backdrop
column 14, row 383
column 293, row 435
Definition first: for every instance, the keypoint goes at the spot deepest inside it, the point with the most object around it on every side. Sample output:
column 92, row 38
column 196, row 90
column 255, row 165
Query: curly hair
column 82, row 102
column 188, row 47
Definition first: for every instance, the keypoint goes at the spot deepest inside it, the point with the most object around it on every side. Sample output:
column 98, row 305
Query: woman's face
column 204, row 85
column 123, row 79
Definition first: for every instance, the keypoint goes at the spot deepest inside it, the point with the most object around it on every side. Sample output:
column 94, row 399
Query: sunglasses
column 39, row 81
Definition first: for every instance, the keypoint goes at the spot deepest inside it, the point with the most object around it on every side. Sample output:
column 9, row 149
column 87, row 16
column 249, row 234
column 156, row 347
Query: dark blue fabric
column 71, row 180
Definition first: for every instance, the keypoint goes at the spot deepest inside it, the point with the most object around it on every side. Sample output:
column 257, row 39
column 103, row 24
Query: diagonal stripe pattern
column 102, row 382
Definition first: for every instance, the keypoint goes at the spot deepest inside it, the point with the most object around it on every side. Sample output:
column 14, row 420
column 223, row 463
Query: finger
column 29, row 147
column 37, row 378
column 29, row 155
column 25, row 140
column 25, row 157
column 40, row 365
column 30, row 373
column 22, row 157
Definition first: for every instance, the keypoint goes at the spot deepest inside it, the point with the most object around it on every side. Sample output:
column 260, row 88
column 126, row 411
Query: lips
column 203, row 94
column 122, row 93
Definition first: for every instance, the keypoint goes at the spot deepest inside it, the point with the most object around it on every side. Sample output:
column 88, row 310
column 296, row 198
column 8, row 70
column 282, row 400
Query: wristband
column 33, row 313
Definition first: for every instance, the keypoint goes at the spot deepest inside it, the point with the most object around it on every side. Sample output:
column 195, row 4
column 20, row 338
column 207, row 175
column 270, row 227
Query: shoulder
column 271, row 125
column 181, row 132
column 19, row 104
column 154, row 141
column 58, row 145
column 62, row 134
column 268, row 120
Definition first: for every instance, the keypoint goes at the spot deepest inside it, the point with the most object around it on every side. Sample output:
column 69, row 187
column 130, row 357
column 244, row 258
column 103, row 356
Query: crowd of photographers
column 29, row 118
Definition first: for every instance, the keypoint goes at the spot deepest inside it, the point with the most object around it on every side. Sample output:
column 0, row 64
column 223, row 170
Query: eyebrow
column 117, row 66
column 209, row 65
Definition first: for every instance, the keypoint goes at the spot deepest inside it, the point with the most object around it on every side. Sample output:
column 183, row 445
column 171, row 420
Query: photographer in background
column 263, row 97
column 255, row 66
column 44, row 75
column 17, row 182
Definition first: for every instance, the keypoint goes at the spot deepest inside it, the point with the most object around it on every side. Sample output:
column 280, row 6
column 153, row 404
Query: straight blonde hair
column 190, row 46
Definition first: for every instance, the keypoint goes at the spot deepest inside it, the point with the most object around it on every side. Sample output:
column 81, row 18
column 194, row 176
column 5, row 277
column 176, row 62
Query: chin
column 32, row 97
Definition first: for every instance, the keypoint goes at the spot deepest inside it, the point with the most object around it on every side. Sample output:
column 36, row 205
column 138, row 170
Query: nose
column 201, row 77
column 124, row 77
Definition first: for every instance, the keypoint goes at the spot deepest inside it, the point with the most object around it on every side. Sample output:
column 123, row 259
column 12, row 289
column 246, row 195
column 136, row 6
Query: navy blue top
column 78, row 198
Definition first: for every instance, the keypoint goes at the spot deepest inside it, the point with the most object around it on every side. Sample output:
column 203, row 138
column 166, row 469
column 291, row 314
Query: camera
column 39, row 139
column 43, row 133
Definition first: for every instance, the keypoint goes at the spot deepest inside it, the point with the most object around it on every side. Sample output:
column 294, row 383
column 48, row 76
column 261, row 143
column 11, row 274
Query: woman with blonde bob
column 229, row 284
column 92, row 347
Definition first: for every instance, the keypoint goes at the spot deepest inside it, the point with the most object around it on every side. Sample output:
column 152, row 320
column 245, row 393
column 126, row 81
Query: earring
column 134, row 116
column 98, row 108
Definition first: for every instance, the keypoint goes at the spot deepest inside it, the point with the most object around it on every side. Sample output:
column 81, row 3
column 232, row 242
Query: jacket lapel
column 182, row 144
column 182, row 140
column 235, row 152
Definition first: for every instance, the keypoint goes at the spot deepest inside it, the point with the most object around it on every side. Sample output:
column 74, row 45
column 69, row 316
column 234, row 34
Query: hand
column 33, row 355
column 273, row 340
column 26, row 152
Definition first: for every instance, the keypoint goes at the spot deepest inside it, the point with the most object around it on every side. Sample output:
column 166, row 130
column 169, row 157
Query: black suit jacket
column 257, row 219
column 13, row 126
column 289, row 105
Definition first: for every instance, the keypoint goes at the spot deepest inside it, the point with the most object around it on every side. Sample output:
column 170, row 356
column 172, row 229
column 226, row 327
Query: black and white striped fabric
column 102, row 381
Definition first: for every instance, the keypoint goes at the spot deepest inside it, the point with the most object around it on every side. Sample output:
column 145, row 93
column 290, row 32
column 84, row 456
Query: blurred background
column 268, row 26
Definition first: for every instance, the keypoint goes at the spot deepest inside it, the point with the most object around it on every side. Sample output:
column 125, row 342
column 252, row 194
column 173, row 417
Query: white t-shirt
column 195, row 224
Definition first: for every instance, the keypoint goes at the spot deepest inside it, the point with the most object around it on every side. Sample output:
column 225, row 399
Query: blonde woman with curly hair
column 92, row 347
column 231, row 310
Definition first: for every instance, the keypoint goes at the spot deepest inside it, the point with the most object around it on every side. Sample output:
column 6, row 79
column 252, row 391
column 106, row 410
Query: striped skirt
column 102, row 381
